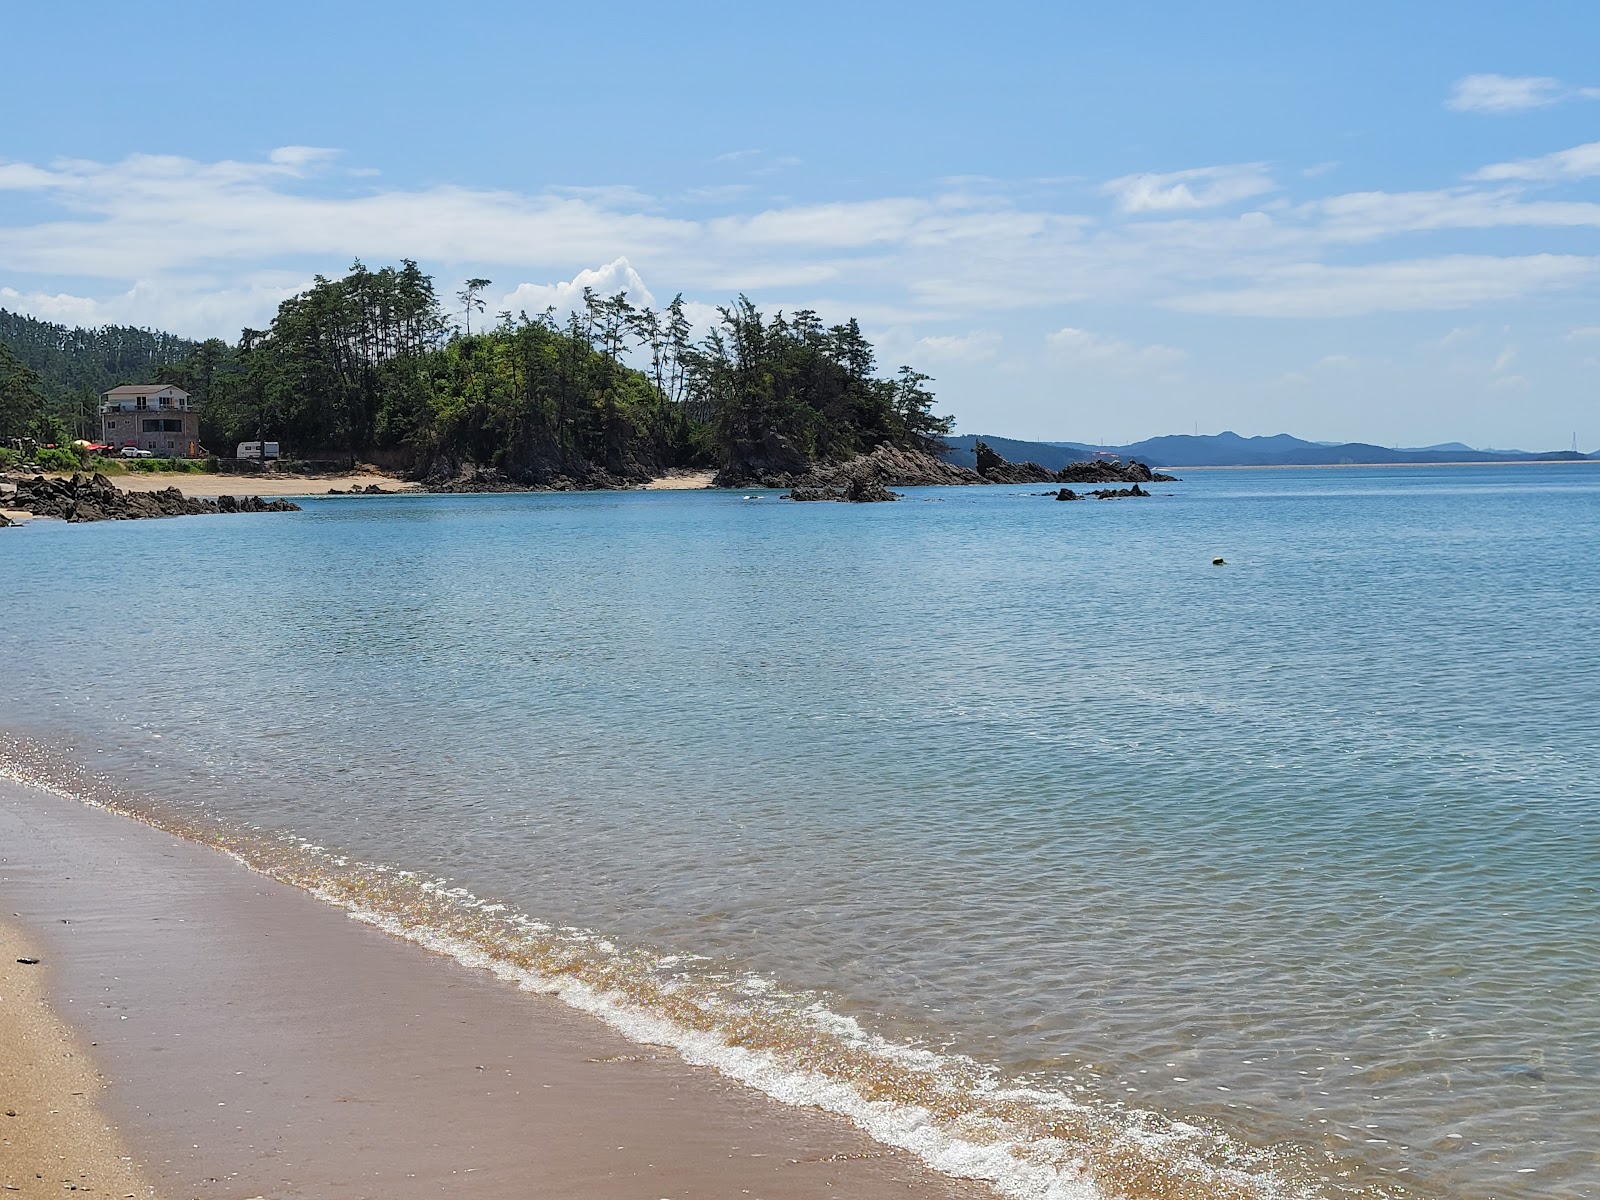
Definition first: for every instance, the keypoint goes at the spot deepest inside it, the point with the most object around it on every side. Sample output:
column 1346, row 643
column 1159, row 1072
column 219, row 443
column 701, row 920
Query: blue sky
column 1086, row 223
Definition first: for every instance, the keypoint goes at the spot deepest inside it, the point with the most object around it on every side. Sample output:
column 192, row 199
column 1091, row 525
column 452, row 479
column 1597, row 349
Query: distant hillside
column 75, row 365
column 1228, row 449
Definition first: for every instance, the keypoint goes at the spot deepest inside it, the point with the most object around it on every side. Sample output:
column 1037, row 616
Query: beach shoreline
column 53, row 1134
column 260, row 1043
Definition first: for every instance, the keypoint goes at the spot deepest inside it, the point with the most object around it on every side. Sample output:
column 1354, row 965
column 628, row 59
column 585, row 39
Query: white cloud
column 1198, row 187
column 1579, row 162
column 1584, row 333
column 1082, row 347
column 1503, row 93
column 566, row 296
column 1505, row 358
column 1453, row 281
column 981, row 345
column 1368, row 216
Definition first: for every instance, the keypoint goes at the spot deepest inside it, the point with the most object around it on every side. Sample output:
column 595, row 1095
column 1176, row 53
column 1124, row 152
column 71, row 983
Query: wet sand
column 53, row 1137
column 261, row 1043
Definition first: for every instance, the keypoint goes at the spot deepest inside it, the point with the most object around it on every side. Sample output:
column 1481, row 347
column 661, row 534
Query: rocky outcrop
column 1109, row 470
column 857, row 491
column 995, row 469
column 1116, row 493
column 890, row 466
column 95, row 498
column 474, row 478
column 1067, row 494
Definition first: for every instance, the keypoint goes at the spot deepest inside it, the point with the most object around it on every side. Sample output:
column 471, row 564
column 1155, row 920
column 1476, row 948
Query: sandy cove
column 260, row 1043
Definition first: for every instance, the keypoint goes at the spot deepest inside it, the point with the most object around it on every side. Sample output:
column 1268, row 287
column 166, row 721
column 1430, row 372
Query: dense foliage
column 74, row 366
column 23, row 409
column 368, row 365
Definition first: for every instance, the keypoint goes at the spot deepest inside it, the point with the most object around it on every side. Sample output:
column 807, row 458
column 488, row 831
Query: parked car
column 135, row 452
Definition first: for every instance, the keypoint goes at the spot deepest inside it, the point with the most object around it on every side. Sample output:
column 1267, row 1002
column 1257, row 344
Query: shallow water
column 1304, row 849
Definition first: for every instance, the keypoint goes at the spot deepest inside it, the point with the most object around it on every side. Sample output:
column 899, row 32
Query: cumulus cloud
column 1503, row 93
column 1082, row 347
column 1578, row 162
column 1198, row 187
column 566, row 296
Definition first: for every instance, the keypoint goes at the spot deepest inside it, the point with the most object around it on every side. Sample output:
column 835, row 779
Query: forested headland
column 374, row 366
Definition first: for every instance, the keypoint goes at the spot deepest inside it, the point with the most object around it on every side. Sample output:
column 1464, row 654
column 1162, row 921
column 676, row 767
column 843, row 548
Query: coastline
column 53, row 1135
column 259, row 1042
column 1524, row 462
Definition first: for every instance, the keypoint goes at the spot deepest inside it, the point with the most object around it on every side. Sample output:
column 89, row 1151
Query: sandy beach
column 53, row 1136
column 265, row 486
column 260, row 1043
column 681, row 479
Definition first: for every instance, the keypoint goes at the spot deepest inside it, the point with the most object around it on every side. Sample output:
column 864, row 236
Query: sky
column 1087, row 222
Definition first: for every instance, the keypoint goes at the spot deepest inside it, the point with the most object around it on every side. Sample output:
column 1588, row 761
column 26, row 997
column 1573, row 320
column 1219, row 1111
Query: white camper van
column 261, row 450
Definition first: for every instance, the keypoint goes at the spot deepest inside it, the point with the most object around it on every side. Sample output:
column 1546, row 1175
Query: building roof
column 143, row 389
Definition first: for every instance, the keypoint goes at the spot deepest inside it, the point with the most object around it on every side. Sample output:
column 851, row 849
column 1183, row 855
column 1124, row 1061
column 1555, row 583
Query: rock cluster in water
column 995, row 469
column 870, row 476
column 96, row 498
column 1098, row 493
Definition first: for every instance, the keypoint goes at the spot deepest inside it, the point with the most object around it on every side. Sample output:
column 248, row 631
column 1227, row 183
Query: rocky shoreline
column 85, row 498
column 869, row 477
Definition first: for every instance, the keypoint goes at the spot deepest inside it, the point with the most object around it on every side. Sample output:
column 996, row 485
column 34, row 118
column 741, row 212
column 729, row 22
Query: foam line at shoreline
column 951, row 1113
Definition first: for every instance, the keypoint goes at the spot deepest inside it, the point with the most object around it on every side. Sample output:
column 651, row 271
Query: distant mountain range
column 1228, row 449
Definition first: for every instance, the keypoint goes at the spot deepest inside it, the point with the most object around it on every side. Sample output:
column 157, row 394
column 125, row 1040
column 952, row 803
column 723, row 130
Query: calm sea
column 1278, row 877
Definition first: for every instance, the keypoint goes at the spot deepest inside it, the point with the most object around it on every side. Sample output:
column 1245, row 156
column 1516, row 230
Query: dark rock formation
column 856, row 483
column 891, row 466
column 1109, row 470
column 371, row 489
column 995, row 469
column 96, row 498
column 1118, row 494
column 1067, row 494
column 475, row 478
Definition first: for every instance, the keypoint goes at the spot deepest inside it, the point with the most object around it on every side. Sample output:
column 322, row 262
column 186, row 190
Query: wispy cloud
column 1432, row 284
column 1197, row 187
column 1082, row 347
column 1503, row 93
column 247, row 233
column 1578, row 162
column 981, row 345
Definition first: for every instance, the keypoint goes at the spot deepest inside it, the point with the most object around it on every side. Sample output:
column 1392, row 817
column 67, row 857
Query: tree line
column 371, row 365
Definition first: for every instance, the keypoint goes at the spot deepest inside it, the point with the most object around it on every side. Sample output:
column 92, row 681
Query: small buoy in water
column 1219, row 562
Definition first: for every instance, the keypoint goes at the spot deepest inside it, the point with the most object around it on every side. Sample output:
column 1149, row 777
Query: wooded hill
column 369, row 366
column 72, row 367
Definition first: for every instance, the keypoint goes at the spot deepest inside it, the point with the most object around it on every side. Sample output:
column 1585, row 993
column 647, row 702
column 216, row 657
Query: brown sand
column 255, row 485
column 680, row 479
column 259, row 1042
column 53, row 1137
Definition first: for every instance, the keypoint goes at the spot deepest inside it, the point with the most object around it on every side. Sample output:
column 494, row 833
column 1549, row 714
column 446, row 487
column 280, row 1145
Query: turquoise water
column 1304, row 848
